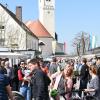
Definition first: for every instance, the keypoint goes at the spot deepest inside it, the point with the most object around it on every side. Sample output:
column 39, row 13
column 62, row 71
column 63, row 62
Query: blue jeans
column 26, row 92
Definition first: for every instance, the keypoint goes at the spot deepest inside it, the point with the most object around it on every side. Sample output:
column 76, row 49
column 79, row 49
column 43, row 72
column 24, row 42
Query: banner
column 54, row 43
column 64, row 47
column 92, row 42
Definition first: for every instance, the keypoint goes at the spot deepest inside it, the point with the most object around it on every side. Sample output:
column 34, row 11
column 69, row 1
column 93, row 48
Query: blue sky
column 72, row 17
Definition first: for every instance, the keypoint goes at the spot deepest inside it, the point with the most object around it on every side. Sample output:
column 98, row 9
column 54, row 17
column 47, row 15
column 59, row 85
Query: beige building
column 13, row 32
column 17, row 36
column 44, row 36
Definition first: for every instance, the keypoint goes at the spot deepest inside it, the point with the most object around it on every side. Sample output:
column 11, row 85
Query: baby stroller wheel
column 89, row 98
column 17, row 96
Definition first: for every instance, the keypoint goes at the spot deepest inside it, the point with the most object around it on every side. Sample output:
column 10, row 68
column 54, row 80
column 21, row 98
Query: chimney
column 19, row 13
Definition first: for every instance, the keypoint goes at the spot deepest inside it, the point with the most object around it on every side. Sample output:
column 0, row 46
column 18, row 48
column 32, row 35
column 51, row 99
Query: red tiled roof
column 38, row 29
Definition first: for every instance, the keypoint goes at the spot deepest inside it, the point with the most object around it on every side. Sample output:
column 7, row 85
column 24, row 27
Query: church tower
column 47, row 15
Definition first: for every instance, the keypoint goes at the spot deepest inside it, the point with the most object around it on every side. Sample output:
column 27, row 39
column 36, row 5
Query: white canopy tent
column 12, row 55
column 89, row 56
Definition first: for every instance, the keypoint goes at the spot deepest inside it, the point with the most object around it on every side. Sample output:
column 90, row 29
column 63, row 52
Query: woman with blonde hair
column 63, row 82
column 93, row 85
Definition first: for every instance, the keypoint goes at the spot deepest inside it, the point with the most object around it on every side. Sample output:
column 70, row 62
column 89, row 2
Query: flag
column 64, row 47
column 54, row 44
column 92, row 41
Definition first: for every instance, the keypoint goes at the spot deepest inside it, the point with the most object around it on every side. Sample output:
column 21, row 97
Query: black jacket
column 40, row 82
column 84, row 77
column 84, row 72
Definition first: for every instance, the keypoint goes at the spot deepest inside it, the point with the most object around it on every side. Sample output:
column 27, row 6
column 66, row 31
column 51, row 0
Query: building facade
column 13, row 32
column 47, row 15
column 44, row 28
column 43, row 35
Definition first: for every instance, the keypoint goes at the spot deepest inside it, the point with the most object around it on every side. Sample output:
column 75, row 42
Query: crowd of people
column 35, row 79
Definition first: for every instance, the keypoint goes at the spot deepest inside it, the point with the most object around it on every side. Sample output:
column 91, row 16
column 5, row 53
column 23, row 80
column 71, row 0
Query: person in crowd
column 40, row 81
column 25, row 88
column 43, row 66
column 15, row 79
column 10, row 73
column 93, row 85
column 84, row 75
column 76, row 65
column 53, row 66
column 63, row 83
column 98, row 61
column 5, row 89
column 3, row 66
column 21, row 72
column 98, row 66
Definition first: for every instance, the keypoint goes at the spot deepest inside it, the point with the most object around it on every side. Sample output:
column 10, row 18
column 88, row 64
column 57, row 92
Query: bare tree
column 76, row 45
column 81, row 43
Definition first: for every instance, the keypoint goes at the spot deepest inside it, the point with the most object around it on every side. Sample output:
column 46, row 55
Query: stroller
column 75, row 92
column 17, row 96
column 75, row 96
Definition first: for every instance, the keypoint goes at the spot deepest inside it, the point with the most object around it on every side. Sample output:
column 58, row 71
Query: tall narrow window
column 48, row 0
column 2, row 35
column 1, row 27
